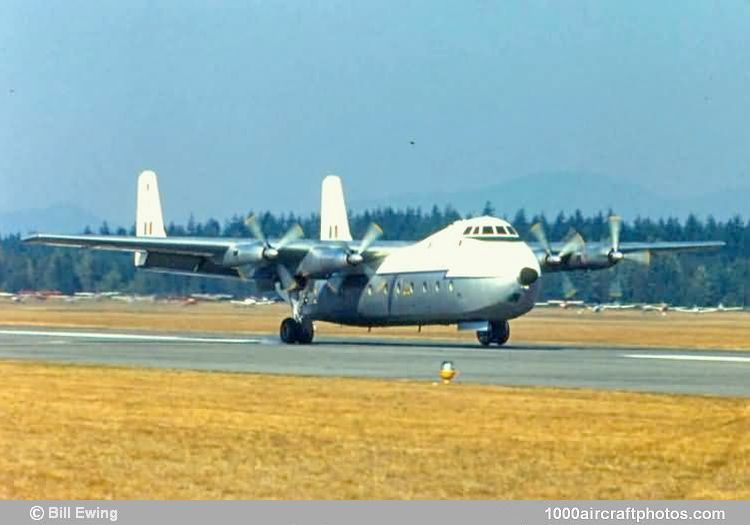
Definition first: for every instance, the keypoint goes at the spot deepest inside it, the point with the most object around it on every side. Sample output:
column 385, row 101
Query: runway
column 651, row 370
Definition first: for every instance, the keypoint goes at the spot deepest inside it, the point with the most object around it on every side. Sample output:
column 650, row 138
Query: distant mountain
column 549, row 193
column 59, row 218
column 554, row 192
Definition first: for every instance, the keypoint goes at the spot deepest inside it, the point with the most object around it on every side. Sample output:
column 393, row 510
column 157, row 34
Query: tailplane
column 334, row 224
column 149, row 221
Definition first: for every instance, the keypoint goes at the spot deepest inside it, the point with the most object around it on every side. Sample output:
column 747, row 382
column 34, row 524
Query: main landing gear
column 498, row 333
column 297, row 328
column 292, row 331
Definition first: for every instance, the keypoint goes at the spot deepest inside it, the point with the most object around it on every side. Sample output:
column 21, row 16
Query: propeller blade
column 254, row 226
column 288, row 282
column 615, row 289
column 368, row 271
column 537, row 230
column 643, row 257
column 335, row 282
column 615, row 225
column 372, row 234
column 573, row 243
column 282, row 293
column 567, row 285
column 292, row 234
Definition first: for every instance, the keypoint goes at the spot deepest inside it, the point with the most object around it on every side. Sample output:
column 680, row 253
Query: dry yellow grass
column 625, row 328
column 92, row 432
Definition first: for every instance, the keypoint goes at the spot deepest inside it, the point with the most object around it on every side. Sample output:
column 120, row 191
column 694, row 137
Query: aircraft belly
column 422, row 298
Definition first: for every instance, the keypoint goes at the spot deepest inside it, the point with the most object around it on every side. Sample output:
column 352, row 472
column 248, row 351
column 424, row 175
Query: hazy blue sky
column 248, row 105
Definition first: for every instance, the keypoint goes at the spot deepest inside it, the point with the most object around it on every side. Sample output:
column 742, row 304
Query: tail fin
column 149, row 221
column 334, row 224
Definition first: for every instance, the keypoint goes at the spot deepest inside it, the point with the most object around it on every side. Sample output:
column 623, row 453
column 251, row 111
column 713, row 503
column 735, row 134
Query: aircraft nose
column 528, row 276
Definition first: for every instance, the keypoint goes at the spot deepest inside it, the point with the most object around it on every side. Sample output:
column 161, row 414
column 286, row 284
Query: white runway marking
column 129, row 337
column 683, row 357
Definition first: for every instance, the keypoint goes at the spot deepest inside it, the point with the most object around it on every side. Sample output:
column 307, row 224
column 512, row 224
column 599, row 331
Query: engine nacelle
column 580, row 261
column 240, row 254
column 321, row 262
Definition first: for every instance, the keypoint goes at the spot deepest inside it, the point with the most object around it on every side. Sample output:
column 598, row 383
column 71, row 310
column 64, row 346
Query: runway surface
column 674, row 371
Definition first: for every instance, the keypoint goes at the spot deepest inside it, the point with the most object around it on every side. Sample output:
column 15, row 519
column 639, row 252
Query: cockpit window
column 487, row 230
column 512, row 231
column 467, row 231
column 501, row 230
column 476, row 230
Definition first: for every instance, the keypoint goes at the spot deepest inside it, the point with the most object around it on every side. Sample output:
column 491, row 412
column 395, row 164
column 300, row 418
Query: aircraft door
column 374, row 301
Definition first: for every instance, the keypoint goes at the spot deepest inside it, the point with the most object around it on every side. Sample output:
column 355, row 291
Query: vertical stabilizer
column 149, row 221
column 334, row 224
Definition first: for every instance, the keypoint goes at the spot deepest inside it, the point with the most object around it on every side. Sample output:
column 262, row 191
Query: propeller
column 372, row 234
column 356, row 257
column 569, row 290
column 572, row 243
column 287, row 280
column 615, row 255
column 615, row 289
column 272, row 252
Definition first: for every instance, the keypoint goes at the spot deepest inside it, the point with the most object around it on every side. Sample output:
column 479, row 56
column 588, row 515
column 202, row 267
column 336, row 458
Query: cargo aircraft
column 476, row 273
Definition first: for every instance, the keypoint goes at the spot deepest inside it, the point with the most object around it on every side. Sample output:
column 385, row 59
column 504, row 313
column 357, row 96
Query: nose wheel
column 498, row 333
column 292, row 331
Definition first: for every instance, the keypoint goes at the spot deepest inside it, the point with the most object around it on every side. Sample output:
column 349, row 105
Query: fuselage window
column 424, row 287
column 467, row 231
column 512, row 231
column 476, row 230
column 385, row 288
column 501, row 230
column 369, row 289
column 398, row 288
column 487, row 230
column 408, row 289
column 437, row 286
column 450, row 286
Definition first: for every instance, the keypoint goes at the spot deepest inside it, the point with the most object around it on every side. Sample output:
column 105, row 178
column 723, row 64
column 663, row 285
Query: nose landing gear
column 301, row 332
column 498, row 333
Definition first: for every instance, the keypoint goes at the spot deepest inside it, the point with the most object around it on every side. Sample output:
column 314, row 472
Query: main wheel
column 306, row 332
column 501, row 332
column 484, row 338
column 289, row 331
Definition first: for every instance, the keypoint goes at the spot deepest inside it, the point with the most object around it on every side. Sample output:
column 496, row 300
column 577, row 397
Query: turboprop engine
column 250, row 253
column 322, row 261
column 574, row 254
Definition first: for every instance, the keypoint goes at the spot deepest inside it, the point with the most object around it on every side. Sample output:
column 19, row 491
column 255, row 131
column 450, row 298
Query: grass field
column 91, row 432
column 94, row 432
column 551, row 325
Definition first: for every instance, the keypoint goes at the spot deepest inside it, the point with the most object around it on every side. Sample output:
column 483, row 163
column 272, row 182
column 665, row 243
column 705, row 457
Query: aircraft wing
column 597, row 255
column 199, row 247
column 215, row 256
column 208, row 256
column 629, row 247
column 681, row 246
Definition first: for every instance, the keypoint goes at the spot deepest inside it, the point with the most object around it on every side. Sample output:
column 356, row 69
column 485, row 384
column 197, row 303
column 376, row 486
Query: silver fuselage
column 446, row 278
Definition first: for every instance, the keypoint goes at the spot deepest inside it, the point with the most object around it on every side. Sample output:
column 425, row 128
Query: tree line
column 684, row 279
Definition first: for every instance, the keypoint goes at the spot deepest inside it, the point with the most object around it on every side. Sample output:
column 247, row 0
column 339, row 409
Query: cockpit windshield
column 496, row 231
